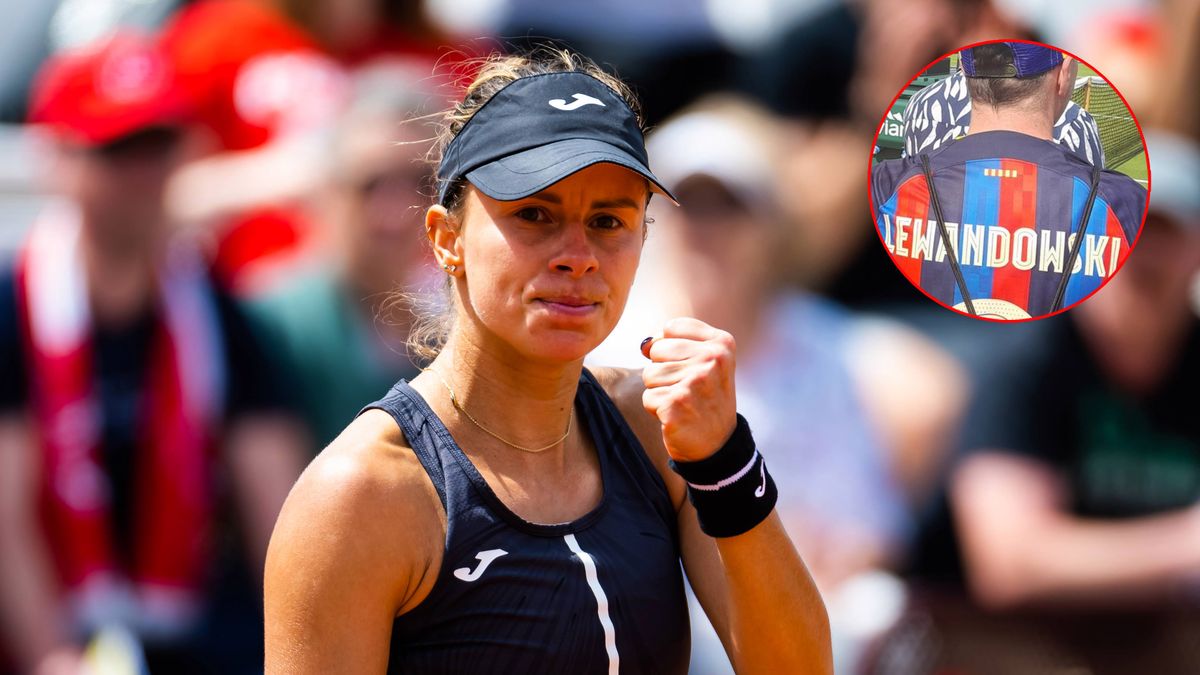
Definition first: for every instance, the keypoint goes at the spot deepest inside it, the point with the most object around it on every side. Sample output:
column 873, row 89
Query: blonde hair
column 433, row 318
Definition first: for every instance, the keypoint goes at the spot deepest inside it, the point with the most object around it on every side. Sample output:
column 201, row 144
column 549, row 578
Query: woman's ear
column 443, row 234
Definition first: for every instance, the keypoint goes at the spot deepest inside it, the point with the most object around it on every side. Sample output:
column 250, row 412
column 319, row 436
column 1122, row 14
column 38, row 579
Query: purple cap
column 1009, row 59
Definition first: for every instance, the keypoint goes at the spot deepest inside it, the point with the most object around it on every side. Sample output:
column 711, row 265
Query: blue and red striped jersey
column 1012, row 206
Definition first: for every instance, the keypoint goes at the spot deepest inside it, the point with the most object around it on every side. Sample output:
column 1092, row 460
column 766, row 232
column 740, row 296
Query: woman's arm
column 759, row 597
column 754, row 587
column 359, row 541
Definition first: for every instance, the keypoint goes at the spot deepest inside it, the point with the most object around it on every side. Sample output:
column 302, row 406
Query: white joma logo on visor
column 580, row 101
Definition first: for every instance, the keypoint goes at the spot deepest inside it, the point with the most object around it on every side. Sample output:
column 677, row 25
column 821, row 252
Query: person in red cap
column 132, row 391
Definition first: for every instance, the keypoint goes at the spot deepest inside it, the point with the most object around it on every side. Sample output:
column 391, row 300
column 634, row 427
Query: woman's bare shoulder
column 369, row 463
column 364, row 509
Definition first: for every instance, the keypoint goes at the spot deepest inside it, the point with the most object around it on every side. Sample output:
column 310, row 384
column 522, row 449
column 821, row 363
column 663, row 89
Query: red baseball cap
column 110, row 89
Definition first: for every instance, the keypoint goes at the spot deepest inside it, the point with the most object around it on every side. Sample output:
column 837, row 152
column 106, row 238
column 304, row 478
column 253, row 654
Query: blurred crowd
column 208, row 208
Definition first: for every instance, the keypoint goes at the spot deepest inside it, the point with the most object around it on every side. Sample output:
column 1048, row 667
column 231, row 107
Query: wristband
column 731, row 489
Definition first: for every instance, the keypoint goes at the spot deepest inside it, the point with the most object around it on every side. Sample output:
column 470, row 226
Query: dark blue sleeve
column 13, row 378
column 1127, row 199
column 885, row 176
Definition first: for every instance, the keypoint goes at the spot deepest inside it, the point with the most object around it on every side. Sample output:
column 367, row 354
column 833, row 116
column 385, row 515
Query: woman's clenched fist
column 690, row 388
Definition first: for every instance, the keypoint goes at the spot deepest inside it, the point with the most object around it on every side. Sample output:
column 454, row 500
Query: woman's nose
column 576, row 255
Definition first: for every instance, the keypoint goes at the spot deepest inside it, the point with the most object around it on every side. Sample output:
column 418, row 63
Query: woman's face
column 548, row 276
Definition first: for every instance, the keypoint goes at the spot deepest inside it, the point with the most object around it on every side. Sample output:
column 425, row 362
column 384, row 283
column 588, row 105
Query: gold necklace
column 459, row 407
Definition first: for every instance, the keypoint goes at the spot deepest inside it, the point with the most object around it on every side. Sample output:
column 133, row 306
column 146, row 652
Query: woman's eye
column 607, row 222
column 532, row 214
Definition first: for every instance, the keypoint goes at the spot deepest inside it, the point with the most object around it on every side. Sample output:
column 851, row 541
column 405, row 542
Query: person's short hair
column 1002, row 91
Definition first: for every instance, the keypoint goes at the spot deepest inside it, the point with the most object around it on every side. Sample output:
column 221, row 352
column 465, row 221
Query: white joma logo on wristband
column 580, row 101
column 762, row 471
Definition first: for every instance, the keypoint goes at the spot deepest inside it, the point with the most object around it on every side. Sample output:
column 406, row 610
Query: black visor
column 540, row 129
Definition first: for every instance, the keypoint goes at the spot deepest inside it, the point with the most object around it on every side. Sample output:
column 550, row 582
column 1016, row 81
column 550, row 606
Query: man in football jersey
column 1004, row 223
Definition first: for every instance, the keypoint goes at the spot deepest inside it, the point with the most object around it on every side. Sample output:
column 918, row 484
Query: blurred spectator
column 1079, row 491
column 263, row 88
column 269, row 76
column 1147, row 50
column 373, row 236
column 1174, row 107
column 668, row 49
column 849, row 59
column 900, row 38
column 136, row 403
column 361, row 31
column 833, row 72
column 1090, row 441
column 874, row 425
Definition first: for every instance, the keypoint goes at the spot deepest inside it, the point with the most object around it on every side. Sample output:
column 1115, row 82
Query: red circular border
column 871, row 164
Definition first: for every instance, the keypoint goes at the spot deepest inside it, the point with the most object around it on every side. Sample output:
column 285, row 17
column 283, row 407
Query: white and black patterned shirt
column 941, row 112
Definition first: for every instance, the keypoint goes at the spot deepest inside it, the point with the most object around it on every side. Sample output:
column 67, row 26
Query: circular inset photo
column 1009, row 180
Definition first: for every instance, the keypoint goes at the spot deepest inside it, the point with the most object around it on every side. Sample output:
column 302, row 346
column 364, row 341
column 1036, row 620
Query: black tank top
column 601, row 594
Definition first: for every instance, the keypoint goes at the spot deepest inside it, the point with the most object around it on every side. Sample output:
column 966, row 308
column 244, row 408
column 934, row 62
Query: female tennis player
column 509, row 511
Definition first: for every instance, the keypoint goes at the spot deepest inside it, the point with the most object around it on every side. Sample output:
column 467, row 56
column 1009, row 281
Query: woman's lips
column 570, row 306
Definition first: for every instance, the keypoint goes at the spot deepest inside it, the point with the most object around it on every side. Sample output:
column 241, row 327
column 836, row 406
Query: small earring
column 449, row 268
